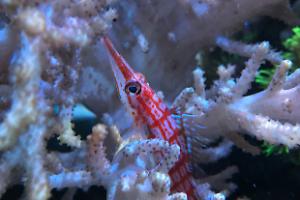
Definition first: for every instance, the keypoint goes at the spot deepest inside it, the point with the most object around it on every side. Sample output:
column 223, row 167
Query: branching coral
column 63, row 29
column 43, row 74
column 31, row 121
column 48, row 64
column 136, row 171
column 269, row 115
column 27, row 70
column 170, row 26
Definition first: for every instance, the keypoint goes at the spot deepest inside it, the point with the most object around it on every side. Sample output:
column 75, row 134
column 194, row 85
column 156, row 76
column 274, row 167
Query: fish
column 149, row 110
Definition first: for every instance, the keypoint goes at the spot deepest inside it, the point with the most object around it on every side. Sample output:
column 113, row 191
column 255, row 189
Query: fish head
column 132, row 86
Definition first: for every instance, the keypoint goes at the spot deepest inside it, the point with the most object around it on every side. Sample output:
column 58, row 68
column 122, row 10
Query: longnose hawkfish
column 148, row 109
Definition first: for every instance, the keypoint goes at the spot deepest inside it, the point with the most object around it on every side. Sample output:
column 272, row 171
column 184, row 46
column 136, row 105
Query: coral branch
column 278, row 79
column 71, row 179
column 97, row 161
column 199, row 82
column 243, row 84
column 292, row 80
column 27, row 71
column 245, row 49
column 268, row 115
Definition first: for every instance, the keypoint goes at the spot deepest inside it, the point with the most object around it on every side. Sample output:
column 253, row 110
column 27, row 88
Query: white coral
column 138, row 170
column 227, row 110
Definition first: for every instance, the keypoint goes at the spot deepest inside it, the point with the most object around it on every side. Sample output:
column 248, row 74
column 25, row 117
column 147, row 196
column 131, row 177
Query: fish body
column 149, row 110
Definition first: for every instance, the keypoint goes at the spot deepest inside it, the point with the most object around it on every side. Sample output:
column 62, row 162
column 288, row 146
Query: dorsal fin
column 188, row 122
column 188, row 126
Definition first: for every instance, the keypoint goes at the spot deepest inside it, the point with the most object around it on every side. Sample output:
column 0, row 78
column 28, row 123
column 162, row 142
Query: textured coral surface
column 55, row 78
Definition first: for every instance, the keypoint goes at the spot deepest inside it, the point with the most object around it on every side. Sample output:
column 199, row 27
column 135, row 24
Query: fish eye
column 133, row 87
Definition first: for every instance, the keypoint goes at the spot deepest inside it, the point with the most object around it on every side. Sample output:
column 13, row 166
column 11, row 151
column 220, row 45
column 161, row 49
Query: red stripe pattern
column 163, row 126
column 150, row 109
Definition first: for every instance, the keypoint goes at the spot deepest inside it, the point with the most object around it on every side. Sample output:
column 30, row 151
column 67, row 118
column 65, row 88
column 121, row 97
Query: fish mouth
column 118, row 63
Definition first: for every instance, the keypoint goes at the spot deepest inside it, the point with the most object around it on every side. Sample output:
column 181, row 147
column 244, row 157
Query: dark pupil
column 132, row 89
